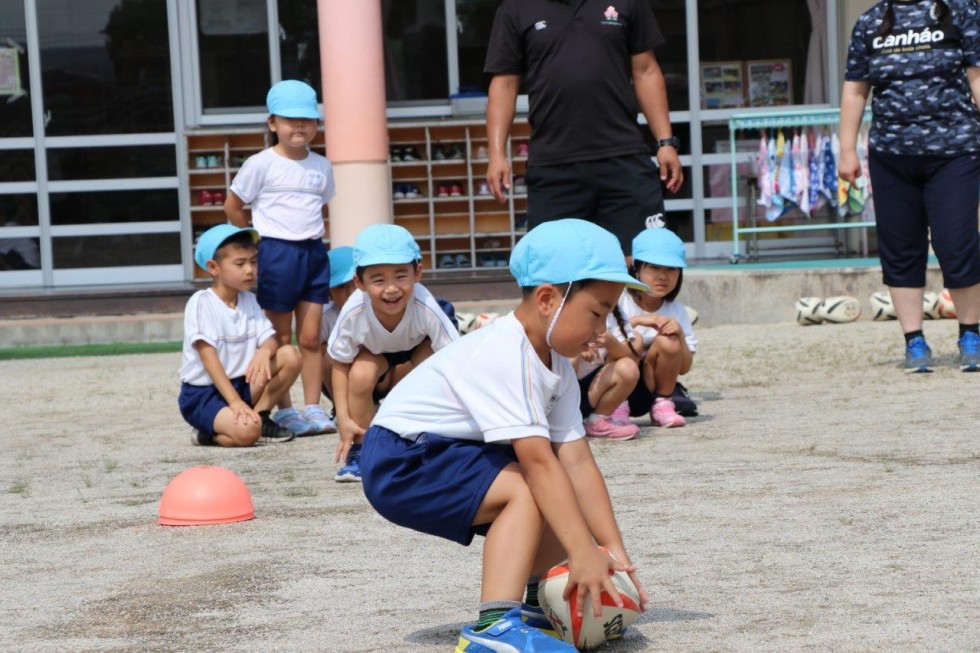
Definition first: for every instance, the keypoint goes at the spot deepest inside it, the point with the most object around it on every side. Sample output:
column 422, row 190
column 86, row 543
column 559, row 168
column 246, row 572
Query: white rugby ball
column 466, row 322
column 881, row 306
column 692, row 314
column 807, row 309
column 839, row 309
column 930, row 305
column 946, row 308
column 587, row 631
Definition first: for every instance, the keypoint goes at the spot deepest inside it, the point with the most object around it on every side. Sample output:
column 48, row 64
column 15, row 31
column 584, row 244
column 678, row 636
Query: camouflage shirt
column 921, row 102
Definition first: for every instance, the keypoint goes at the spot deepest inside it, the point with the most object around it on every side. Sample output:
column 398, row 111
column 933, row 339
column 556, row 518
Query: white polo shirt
column 235, row 332
column 488, row 386
column 331, row 312
column 287, row 196
column 674, row 310
column 358, row 327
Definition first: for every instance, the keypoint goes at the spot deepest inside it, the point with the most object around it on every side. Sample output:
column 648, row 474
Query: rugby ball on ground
column 839, row 309
column 930, row 305
column 806, row 310
column 587, row 631
column 881, row 306
column 946, row 308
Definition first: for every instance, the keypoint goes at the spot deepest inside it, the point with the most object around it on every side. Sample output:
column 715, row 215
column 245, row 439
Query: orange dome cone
column 205, row 495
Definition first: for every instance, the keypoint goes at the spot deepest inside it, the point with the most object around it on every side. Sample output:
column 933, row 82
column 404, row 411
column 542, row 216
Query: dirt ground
column 824, row 500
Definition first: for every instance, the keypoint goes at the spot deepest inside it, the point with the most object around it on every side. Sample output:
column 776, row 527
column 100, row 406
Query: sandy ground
column 824, row 500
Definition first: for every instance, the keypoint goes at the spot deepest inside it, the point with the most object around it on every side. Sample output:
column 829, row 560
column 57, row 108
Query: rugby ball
column 807, row 310
column 946, row 307
column 466, row 322
column 484, row 319
column 587, row 631
column 930, row 305
column 881, row 306
column 839, row 309
column 692, row 314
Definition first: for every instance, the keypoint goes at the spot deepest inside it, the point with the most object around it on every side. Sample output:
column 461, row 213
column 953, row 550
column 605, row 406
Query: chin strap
column 554, row 318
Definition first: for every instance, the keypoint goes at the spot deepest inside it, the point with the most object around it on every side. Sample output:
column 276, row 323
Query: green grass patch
column 71, row 351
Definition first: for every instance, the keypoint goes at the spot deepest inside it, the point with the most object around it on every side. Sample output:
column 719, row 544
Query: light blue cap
column 209, row 242
column 385, row 244
column 569, row 250
column 292, row 98
column 341, row 265
column 659, row 246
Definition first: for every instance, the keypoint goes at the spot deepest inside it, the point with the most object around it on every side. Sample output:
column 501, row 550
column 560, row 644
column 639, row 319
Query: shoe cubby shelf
column 444, row 154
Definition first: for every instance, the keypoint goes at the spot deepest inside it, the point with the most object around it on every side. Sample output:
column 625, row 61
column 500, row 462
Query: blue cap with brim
column 569, row 250
column 385, row 244
column 292, row 98
column 659, row 246
column 341, row 265
column 209, row 242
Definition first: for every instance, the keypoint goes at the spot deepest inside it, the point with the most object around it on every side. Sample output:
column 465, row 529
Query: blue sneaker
column 535, row 618
column 918, row 356
column 351, row 471
column 969, row 344
column 320, row 420
column 510, row 635
column 292, row 419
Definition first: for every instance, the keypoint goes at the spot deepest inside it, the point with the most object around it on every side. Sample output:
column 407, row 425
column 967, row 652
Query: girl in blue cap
column 287, row 186
column 501, row 452
column 669, row 343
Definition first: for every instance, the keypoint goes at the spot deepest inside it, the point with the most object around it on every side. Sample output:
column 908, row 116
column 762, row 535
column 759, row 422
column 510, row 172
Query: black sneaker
column 683, row 404
column 201, row 439
column 272, row 432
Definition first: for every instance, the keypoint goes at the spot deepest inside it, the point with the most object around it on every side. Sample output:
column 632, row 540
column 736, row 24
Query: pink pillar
column 352, row 61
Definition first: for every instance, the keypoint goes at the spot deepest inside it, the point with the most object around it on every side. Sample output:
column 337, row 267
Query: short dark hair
column 242, row 239
column 669, row 297
column 359, row 270
column 576, row 286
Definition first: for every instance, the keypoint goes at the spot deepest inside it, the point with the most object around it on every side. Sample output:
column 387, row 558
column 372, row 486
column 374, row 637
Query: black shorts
column 619, row 194
column 918, row 197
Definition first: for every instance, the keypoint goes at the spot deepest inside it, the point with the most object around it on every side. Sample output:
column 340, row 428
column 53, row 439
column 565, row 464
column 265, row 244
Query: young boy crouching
column 233, row 371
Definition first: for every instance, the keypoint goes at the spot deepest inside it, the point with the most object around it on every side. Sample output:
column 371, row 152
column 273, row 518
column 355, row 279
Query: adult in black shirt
column 589, row 65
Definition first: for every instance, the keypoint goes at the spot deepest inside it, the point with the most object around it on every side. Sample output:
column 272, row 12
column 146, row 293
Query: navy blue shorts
column 291, row 271
column 919, row 195
column 200, row 404
column 640, row 400
column 434, row 485
column 617, row 193
column 584, row 405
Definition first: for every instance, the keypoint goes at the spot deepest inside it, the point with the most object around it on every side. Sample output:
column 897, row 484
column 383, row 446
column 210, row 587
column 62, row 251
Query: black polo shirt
column 576, row 58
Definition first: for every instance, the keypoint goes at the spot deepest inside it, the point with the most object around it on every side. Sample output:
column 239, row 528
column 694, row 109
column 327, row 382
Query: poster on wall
column 9, row 72
column 722, row 85
column 770, row 82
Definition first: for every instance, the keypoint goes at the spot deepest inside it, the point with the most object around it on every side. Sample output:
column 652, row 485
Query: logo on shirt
column 540, row 25
column 655, row 221
column 610, row 16
column 910, row 41
column 315, row 180
column 551, row 402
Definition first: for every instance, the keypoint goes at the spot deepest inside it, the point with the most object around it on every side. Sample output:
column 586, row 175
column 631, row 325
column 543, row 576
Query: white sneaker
column 319, row 419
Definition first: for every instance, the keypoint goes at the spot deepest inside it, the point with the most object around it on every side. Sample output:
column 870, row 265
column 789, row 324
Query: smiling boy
column 386, row 328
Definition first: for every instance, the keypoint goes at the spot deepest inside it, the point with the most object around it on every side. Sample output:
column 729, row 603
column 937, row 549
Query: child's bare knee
column 289, row 358
column 627, row 371
column 362, row 377
column 309, row 343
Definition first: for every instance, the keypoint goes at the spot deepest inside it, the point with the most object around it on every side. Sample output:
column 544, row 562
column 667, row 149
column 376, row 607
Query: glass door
column 110, row 145
column 20, row 233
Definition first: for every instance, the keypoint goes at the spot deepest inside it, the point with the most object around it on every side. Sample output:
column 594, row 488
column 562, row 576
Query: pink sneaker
column 622, row 414
column 603, row 427
column 662, row 413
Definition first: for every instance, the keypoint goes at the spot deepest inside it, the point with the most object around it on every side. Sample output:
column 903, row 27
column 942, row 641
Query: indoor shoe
column 663, row 413
column 509, row 633
column 292, row 419
column 447, row 261
column 969, row 344
column 603, row 427
column 351, row 471
column 918, row 356
column 319, row 419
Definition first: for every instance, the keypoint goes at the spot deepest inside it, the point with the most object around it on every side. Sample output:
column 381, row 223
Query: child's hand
column 623, row 564
column 348, row 430
column 259, row 370
column 669, row 327
column 591, row 353
column 588, row 574
column 244, row 414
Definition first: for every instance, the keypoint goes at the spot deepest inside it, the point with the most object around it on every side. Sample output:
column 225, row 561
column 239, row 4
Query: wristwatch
column 673, row 141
